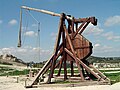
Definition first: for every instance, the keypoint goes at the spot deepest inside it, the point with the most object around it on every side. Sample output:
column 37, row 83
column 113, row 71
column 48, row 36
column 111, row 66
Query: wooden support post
column 59, row 35
column 46, row 69
column 88, row 74
column 57, row 64
column 56, row 47
column 72, row 26
column 64, row 55
column 61, row 61
column 65, row 69
column 76, row 26
column 41, row 71
column 72, row 49
column 51, row 70
column 79, row 69
column 82, row 70
column 72, row 69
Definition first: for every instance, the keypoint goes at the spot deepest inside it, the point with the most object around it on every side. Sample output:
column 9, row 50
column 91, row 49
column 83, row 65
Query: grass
column 114, row 77
column 108, row 70
column 16, row 73
column 5, row 71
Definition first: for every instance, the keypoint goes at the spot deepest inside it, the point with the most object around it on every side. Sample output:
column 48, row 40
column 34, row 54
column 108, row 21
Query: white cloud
column 111, row 36
column 106, row 51
column 13, row 22
column 114, row 20
column 94, row 30
column 97, row 45
column 30, row 33
column 27, row 53
column 22, row 50
column 1, row 21
column 102, row 49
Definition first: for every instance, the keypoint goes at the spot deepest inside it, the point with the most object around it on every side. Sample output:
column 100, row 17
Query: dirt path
column 10, row 83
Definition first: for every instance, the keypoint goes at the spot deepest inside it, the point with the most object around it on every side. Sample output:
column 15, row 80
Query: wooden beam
column 64, row 53
column 72, row 69
column 80, row 20
column 41, row 71
column 84, row 27
column 71, row 46
column 56, row 47
column 53, row 61
column 81, row 28
column 67, row 37
column 100, row 73
column 46, row 69
column 83, row 71
column 61, row 61
column 78, row 29
column 72, row 25
column 85, row 66
column 59, row 34
column 80, row 71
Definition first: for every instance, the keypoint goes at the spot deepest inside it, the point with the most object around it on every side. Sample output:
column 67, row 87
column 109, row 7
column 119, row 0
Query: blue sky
column 105, row 36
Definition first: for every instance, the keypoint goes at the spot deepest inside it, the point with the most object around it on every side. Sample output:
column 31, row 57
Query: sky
column 105, row 37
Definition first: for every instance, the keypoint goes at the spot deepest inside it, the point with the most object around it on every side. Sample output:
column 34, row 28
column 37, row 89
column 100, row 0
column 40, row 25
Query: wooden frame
column 66, row 35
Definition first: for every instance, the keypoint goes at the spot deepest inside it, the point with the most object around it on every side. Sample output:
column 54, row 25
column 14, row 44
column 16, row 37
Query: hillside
column 91, row 59
column 94, row 59
column 11, row 60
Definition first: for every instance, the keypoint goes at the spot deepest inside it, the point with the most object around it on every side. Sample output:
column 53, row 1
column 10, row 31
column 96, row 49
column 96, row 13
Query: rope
column 39, row 40
column 38, row 33
column 32, row 16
